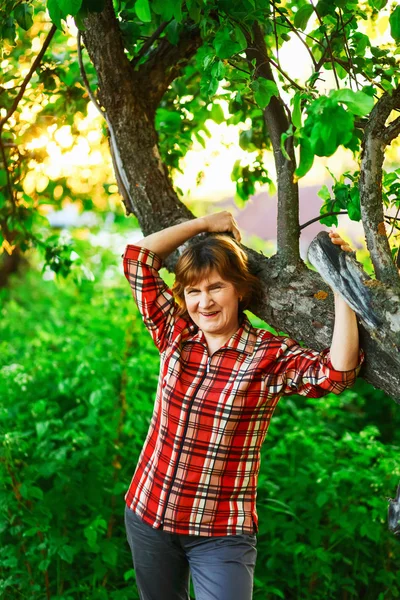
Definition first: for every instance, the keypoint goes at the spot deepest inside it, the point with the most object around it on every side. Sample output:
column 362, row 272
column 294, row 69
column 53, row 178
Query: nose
column 205, row 300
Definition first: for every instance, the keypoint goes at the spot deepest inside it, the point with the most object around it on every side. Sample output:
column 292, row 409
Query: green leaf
column 327, row 126
column 172, row 32
column 224, row 45
column 358, row 103
column 322, row 499
column 296, row 114
column 55, row 13
column 109, row 553
column 264, row 89
column 23, row 15
column 217, row 114
column 332, row 219
column 324, row 193
column 284, row 137
column 378, row 4
column 66, row 553
column 8, row 31
column 394, row 21
column 240, row 37
column 236, row 171
column 176, row 6
column 354, row 207
column 130, row 574
column 31, row 492
column 194, row 10
column 69, row 7
column 218, row 69
column 302, row 16
column 142, row 9
column 306, row 159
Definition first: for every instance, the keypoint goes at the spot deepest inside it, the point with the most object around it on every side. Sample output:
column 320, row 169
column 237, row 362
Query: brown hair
column 220, row 252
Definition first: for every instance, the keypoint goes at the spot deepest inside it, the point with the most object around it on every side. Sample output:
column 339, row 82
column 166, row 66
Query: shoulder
column 265, row 341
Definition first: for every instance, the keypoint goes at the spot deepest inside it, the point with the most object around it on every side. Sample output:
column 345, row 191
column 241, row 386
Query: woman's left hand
column 337, row 240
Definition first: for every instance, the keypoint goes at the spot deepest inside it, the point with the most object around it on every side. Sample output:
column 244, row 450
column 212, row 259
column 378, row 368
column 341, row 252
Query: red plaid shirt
column 198, row 469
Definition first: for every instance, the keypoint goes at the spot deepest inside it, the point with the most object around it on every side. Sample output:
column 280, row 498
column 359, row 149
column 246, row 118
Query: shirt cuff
column 142, row 255
column 344, row 376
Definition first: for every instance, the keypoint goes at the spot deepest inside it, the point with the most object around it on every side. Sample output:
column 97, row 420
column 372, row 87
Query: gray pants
column 222, row 567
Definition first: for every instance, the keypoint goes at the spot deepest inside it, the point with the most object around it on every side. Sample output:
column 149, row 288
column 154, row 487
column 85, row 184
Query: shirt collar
column 242, row 340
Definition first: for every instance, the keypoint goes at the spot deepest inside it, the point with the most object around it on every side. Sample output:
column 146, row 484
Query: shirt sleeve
column 310, row 373
column 153, row 297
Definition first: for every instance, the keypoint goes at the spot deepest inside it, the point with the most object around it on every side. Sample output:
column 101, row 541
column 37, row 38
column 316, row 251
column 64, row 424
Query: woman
column 191, row 505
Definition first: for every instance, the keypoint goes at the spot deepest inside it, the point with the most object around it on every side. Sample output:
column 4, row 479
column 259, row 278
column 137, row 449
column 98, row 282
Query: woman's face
column 213, row 304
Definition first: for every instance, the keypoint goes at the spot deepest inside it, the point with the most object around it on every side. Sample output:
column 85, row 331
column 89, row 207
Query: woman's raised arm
column 167, row 240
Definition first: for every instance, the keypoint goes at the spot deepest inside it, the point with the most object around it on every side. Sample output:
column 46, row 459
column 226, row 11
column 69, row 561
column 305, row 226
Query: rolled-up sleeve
column 152, row 295
column 310, row 373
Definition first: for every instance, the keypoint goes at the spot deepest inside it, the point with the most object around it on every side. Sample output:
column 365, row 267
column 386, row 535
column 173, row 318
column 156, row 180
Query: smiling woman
column 191, row 504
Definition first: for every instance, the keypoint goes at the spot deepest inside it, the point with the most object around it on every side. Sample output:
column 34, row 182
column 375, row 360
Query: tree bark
column 288, row 226
column 122, row 93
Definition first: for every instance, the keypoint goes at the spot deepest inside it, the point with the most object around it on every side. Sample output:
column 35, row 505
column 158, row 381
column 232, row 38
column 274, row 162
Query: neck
column 215, row 341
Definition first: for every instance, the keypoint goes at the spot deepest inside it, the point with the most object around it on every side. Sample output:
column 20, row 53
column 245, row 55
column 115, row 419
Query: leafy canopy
column 349, row 68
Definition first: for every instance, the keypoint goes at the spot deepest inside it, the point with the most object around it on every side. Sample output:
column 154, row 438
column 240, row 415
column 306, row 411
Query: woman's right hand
column 220, row 222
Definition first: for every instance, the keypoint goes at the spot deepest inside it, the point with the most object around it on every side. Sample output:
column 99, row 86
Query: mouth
column 210, row 315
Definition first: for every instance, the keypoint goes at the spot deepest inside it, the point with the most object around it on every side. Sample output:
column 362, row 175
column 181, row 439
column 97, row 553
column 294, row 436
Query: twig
column 269, row 60
column 84, row 76
column 285, row 75
column 394, row 222
column 276, row 36
column 28, row 77
column 148, row 44
column 347, row 50
column 293, row 28
column 328, row 44
column 328, row 214
column 346, row 65
column 238, row 68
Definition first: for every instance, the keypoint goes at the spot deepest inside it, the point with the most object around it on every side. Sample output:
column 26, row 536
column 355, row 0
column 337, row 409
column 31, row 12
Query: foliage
column 350, row 69
column 74, row 416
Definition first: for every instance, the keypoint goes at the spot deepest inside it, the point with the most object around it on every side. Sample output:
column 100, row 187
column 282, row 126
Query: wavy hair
column 220, row 252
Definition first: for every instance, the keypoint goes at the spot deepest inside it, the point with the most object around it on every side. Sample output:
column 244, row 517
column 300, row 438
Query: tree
column 163, row 68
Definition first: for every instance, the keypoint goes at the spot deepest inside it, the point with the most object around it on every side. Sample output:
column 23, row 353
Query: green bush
column 78, row 375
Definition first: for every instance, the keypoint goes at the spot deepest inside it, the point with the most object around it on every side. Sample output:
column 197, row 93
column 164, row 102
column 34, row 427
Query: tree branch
column 149, row 42
column 391, row 131
column 165, row 63
column 288, row 229
column 28, row 77
column 370, row 184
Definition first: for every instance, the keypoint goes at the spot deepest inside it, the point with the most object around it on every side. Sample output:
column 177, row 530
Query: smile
column 209, row 315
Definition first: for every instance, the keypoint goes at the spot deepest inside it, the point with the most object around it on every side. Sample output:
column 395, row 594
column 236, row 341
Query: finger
column 237, row 234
